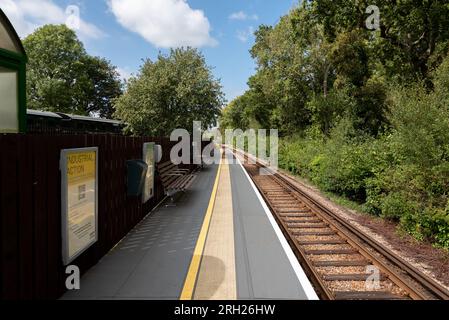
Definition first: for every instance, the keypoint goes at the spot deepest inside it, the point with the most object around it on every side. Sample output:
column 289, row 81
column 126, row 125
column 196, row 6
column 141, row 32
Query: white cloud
column 164, row 23
column 241, row 15
column 244, row 35
column 125, row 73
column 28, row 15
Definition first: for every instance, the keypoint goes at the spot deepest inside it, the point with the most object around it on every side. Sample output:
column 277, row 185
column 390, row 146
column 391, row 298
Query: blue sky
column 127, row 31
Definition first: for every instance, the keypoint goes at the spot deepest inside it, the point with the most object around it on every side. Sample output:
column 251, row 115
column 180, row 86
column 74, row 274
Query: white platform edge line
column 303, row 280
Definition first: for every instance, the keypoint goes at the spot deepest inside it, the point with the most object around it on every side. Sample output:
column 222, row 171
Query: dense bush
column 402, row 175
column 342, row 163
column 367, row 172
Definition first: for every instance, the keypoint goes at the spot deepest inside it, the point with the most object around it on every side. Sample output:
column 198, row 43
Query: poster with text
column 80, row 194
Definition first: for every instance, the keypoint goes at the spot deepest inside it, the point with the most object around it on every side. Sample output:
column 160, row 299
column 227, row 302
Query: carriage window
column 9, row 103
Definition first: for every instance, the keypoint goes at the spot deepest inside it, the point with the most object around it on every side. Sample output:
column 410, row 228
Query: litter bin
column 137, row 171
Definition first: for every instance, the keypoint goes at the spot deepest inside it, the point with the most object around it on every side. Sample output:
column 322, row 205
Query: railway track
column 341, row 262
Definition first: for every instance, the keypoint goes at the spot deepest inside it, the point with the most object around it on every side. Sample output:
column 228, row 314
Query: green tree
column 105, row 85
column 62, row 77
column 235, row 115
column 413, row 34
column 171, row 93
column 282, row 84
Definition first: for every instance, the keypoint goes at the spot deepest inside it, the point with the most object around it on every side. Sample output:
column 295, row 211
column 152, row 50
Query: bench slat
column 174, row 178
column 178, row 183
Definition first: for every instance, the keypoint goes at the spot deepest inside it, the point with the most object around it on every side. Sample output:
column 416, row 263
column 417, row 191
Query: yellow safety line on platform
column 192, row 274
column 217, row 275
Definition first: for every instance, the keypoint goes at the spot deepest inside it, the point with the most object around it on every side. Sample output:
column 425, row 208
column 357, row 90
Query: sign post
column 79, row 191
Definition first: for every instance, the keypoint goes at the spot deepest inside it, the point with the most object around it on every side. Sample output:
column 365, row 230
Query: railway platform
column 219, row 242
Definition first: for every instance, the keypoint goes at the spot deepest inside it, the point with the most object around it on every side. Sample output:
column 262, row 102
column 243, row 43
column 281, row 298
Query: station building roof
column 9, row 39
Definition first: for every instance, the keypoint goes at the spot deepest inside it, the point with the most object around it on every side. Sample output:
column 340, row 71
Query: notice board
column 148, row 157
column 79, row 198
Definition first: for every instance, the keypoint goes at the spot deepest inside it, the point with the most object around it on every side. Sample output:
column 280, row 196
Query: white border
column 303, row 280
column 64, row 204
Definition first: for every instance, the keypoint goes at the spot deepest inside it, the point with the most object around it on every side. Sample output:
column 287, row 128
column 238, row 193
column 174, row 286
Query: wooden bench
column 174, row 179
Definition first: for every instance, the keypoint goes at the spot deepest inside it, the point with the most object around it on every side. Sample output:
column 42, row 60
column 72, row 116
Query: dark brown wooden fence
column 30, row 205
